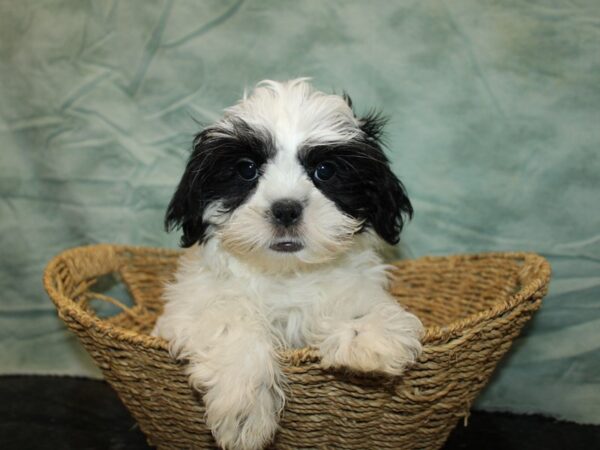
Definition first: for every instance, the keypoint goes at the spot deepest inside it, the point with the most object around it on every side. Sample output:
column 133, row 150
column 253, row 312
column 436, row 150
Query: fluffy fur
column 254, row 281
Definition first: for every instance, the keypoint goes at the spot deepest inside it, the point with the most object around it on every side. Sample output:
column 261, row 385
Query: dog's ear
column 186, row 208
column 389, row 204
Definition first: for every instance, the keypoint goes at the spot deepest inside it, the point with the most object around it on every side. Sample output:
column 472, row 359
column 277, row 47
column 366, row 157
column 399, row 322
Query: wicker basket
column 473, row 307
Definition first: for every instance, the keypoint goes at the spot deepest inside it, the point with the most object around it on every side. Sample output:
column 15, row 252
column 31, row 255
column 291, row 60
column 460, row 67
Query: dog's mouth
column 287, row 246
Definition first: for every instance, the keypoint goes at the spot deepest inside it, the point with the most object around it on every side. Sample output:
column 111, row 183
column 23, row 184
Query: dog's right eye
column 247, row 169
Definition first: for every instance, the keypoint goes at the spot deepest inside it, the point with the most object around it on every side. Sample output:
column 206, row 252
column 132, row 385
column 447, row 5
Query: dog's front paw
column 370, row 344
column 243, row 423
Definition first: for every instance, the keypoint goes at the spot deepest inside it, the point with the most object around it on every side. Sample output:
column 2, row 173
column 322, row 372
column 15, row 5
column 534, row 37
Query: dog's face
column 289, row 175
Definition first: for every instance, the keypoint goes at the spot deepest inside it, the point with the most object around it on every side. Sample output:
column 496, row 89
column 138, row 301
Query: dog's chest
column 290, row 304
column 293, row 304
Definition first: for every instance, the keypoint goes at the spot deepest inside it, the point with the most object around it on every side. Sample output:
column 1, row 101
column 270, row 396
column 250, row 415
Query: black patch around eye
column 213, row 174
column 364, row 186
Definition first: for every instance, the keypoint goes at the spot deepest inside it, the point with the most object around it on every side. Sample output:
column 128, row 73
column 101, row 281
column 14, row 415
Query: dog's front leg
column 374, row 336
column 232, row 360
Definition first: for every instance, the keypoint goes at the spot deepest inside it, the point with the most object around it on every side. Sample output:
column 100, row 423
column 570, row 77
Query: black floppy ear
column 389, row 204
column 186, row 208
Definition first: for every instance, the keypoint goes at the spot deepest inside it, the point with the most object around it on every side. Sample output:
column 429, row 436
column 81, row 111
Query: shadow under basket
column 473, row 306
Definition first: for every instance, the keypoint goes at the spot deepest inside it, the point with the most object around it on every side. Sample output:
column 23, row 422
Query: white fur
column 235, row 302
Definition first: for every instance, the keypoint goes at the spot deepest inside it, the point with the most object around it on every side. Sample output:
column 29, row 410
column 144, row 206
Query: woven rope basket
column 473, row 307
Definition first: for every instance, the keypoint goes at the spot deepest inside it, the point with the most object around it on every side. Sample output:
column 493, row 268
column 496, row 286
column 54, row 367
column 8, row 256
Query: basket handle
column 90, row 295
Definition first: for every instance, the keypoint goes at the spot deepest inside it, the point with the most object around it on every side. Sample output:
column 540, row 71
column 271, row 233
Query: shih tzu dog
column 284, row 204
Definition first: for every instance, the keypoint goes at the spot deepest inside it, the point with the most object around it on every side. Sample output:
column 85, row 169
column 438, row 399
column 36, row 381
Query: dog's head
column 289, row 175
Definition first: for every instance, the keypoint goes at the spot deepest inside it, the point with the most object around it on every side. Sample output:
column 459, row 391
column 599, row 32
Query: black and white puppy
column 284, row 203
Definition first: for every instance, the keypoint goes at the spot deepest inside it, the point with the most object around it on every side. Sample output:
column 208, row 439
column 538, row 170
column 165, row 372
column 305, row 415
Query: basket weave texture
column 473, row 307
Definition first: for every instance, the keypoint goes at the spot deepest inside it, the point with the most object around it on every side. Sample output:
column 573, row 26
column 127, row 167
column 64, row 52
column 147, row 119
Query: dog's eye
column 324, row 171
column 247, row 169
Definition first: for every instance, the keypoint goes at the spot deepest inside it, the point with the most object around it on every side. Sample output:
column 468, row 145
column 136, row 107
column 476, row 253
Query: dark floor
column 80, row 414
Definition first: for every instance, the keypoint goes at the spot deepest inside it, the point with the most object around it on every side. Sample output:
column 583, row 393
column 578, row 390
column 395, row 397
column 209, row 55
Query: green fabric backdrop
column 495, row 130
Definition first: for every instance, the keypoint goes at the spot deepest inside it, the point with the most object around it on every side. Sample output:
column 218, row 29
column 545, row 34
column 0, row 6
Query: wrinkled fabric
column 495, row 113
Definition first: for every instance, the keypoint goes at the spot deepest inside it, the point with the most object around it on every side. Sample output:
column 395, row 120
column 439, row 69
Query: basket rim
column 67, row 306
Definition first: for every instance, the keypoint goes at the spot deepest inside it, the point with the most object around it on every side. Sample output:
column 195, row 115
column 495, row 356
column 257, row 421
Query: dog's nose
column 286, row 212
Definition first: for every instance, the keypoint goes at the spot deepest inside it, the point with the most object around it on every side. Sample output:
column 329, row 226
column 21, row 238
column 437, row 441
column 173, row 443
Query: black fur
column 363, row 186
column 372, row 124
column 210, row 175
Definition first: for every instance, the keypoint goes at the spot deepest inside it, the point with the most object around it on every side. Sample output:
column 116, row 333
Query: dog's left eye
column 247, row 169
column 324, row 171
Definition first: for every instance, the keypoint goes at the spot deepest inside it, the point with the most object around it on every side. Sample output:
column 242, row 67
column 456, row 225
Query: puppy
column 284, row 204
